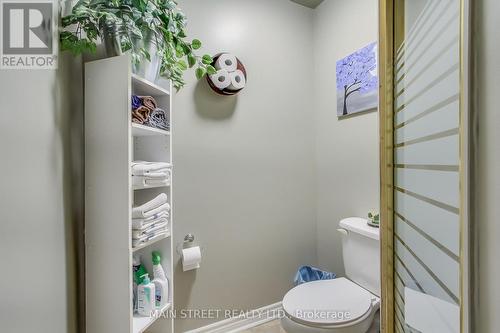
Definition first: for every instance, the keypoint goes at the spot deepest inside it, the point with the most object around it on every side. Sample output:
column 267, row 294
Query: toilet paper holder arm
column 187, row 242
column 189, row 238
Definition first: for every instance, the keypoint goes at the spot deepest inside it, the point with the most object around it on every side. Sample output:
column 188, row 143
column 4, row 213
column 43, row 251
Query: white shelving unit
column 112, row 142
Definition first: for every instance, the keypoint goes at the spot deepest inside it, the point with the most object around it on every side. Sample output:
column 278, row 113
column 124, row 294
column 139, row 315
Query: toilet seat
column 328, row 303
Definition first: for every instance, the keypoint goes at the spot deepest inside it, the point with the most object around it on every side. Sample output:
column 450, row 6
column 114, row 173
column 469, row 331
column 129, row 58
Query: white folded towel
column 138, row 213
column 156, row 175
column 143, row 168
column 139, row 225
column 152, row 179
column 137, row 242
column 139, row 181
column 150, row 231
column 143, row 223
column 152, row 207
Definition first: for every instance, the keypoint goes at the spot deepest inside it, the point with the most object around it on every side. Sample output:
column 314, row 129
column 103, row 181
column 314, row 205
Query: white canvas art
column 357, row 81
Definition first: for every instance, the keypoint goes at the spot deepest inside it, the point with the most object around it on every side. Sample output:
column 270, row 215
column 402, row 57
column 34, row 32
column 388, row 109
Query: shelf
column 137, row 248
column 143, row 87
column 143, row 130
column 142, row 323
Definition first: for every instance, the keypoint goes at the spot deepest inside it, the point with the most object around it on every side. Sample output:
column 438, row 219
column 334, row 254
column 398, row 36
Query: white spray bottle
column 160, row 281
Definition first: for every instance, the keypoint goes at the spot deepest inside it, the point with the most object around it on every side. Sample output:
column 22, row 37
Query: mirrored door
column 424, row 117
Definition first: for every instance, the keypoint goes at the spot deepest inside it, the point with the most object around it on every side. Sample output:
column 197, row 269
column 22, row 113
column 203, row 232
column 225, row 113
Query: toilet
column 342, row 305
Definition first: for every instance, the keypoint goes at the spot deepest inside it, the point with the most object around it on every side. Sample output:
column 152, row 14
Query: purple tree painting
column 357, row 81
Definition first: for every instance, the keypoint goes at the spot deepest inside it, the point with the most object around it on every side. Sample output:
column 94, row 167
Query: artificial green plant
column 374, row 217
column 133, row 21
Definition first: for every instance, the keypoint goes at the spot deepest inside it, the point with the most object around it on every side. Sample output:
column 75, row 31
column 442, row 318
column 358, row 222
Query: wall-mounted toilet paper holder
column 191, row 254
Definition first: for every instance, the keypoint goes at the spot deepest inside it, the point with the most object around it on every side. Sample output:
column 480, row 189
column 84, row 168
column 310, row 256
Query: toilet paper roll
column 221, row 79
column 238, row 80
column 191, row 258
column 227, row 61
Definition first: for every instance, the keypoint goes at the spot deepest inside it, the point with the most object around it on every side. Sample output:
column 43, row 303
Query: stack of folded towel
column 150, row 220
column 146, row 174
column 145, row 111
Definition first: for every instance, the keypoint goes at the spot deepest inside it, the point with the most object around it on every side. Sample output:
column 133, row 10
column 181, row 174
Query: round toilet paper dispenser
column 231, row 76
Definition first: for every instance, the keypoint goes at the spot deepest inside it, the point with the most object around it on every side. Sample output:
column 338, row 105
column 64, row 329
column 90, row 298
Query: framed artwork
column 357, row 81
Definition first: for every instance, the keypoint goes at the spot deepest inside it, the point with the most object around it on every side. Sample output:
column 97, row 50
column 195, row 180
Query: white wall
column 487, row 83
column 38, row 279
column 244, row 165
column 347, row 152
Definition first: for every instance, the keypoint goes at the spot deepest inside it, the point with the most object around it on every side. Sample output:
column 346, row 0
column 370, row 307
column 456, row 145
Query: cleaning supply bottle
column 160, row 281
column 146, row 297
column 136, row 263
column 138, row 271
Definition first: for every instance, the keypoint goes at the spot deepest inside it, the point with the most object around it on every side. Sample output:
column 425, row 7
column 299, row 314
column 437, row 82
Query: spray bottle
column 160, row 281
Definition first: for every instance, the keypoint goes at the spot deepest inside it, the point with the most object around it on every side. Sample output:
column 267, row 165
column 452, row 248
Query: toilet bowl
column 342, row 305
column 337, row 305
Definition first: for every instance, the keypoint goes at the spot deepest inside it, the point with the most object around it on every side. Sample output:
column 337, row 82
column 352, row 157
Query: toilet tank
column 361, row 253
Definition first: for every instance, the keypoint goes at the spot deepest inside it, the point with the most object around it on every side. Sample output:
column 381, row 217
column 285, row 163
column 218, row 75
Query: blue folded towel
column 308, row 274
column 136, row 102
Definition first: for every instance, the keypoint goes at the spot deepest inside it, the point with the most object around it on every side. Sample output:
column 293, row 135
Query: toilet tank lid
column 360, row 226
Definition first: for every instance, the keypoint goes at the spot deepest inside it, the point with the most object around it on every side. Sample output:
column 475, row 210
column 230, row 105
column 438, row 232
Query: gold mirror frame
column 386, row 58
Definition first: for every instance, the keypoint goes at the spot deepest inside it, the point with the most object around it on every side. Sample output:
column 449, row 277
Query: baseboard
column 237, row 324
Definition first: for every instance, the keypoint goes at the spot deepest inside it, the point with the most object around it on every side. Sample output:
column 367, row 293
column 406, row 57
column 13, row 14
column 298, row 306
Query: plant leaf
column 211, row 70
column 191, row 60
column 186, row 48
column 207, row 60
column 182, row 65
column 179, row 51
column 196, row 44
column 200, row 72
